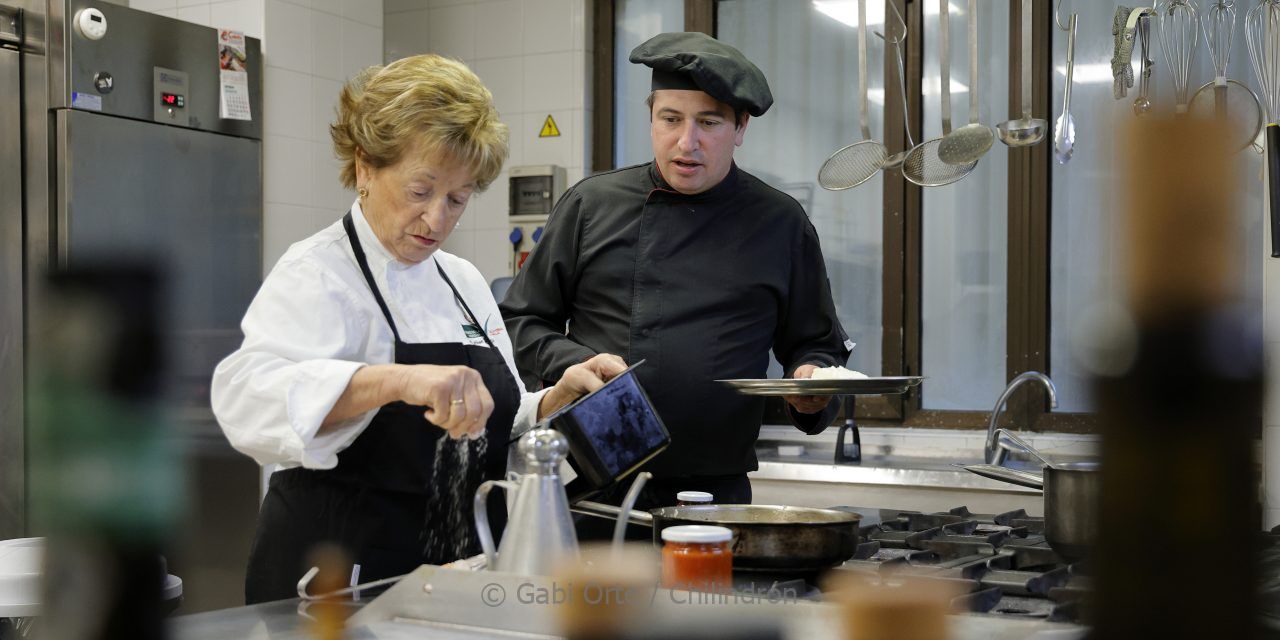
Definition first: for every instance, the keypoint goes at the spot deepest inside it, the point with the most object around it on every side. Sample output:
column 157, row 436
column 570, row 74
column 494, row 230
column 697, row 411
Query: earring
column 363, row 192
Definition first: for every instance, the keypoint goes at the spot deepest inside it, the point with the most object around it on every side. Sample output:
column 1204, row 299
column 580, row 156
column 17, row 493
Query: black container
column 612, row 431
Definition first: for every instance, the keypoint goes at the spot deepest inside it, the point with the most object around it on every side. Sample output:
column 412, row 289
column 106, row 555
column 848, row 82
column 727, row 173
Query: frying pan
column 765, row 537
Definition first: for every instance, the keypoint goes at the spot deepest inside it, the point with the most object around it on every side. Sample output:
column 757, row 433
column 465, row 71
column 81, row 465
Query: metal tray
column 845, row 387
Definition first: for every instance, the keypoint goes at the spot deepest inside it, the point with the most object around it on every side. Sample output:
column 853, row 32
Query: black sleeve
column 809, row 331
column 536, row 308
column 814, row 423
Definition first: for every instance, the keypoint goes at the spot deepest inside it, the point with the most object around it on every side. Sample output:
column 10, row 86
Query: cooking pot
column 765, row 537
column 1070, row 501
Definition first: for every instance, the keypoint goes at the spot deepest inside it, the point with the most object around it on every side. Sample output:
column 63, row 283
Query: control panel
column 169, row 96
column 534, row 191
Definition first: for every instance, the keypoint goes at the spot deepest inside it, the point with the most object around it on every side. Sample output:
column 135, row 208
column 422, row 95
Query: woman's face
column 414, row 204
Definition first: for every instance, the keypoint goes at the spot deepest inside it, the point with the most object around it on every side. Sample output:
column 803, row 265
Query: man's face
column 693, row 138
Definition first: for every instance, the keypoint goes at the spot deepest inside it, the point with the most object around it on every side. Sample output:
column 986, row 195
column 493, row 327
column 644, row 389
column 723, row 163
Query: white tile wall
column 500, row 28
column 315, row 46
column 405, row 34
column 154, row 6
column 533, row 56
column 199, row 14
column 290, row 45
column 548, row 26
column 361, row 48
column 310, row 48
column 452, row 31
column 243, row 15
column 326, row 50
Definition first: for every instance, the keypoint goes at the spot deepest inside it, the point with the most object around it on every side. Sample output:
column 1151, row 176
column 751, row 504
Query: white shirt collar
column 380, row 260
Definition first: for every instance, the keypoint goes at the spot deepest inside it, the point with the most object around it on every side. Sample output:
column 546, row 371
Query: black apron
column 398, row 497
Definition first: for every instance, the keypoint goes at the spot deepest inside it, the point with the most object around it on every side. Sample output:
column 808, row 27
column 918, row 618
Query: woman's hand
column 455, row 396
column 579, row 380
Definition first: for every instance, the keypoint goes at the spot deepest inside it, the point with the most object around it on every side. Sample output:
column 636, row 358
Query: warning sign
column 549, row 128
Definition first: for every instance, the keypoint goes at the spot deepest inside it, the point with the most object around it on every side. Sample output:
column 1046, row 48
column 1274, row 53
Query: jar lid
column 21, row 565
column 693, row 496
column 697, row 533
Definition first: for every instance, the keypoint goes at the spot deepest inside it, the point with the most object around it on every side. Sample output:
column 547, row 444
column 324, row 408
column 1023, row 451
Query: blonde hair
column 429, row 99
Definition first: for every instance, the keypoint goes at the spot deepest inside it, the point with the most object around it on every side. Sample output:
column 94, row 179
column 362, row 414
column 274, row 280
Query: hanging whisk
column 1179, row 35
column 1262, row 31
column 1219, row 25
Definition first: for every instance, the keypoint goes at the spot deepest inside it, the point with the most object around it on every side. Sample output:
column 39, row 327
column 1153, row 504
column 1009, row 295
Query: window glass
column 809, row 55
column 965, row 227
column 1085, row 258
column 634, row 22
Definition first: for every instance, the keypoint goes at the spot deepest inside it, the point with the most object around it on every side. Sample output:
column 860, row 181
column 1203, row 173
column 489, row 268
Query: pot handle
column 481, row 508
column 1006, row 439
column 1005, row 474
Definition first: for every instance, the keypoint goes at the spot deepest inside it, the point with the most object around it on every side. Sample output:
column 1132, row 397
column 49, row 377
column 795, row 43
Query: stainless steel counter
column 908, row 469
column 887, row 460
column 282, row 620
column 438, row 603
column 897, row 471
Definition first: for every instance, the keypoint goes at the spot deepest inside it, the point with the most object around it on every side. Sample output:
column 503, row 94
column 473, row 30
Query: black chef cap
column 691, row 60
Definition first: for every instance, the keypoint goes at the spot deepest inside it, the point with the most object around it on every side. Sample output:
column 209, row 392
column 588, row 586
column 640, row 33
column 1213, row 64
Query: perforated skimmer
column 969, row 143
column 858, row 162
column 923, row 166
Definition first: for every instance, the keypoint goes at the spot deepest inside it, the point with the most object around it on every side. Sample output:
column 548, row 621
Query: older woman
column 375, row 367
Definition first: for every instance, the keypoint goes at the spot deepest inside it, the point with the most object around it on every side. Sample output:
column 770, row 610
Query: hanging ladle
column 1064, row 137
column 1026, row 130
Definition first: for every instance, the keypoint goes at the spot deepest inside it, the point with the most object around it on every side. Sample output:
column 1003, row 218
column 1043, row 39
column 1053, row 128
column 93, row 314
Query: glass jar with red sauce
column 697, row 558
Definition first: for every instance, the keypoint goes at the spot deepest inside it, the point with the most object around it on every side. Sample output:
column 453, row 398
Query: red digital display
column 173, row 99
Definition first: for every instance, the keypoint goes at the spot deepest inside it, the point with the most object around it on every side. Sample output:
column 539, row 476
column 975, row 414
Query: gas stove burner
column 1000, row 563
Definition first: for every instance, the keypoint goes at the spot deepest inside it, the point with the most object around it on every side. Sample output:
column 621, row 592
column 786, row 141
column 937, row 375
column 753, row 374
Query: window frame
column 1029, row 213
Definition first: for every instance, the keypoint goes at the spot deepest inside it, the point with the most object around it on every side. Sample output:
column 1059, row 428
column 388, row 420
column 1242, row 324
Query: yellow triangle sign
column 549, row 129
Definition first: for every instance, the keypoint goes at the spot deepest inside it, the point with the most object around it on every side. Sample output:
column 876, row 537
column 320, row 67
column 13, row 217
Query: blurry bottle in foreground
column 607, row 590
column 1178, row 377
column 105, row 484
column 891, row 607
column 328, row 613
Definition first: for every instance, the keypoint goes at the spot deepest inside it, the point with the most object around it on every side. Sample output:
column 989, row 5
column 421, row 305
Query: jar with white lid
column 690, row 498
column 697, row 558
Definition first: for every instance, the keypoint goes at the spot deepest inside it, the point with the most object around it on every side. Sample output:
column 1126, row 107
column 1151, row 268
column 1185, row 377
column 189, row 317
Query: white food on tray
column 837, row 373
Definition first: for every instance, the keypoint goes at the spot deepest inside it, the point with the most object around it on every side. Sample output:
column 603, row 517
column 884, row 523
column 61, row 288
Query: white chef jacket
column 315, row 322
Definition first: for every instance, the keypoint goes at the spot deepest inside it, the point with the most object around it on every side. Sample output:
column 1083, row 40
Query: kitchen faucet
column 995, row 450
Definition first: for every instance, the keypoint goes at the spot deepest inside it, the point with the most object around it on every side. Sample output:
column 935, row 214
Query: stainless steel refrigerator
column 112, row 147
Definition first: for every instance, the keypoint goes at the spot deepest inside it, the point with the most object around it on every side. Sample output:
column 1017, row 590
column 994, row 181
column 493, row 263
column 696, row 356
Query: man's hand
column 579, row 380
column 807, row 404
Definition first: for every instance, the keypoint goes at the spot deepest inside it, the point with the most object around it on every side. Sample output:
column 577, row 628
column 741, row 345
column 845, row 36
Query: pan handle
column 1005, row 474
column 610, row 512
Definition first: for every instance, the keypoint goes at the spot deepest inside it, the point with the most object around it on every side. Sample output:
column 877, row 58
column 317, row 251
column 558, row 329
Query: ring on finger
column 458, row 401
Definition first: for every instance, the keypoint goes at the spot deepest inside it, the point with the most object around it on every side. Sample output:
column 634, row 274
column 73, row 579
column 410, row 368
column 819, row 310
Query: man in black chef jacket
column 692, row 264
